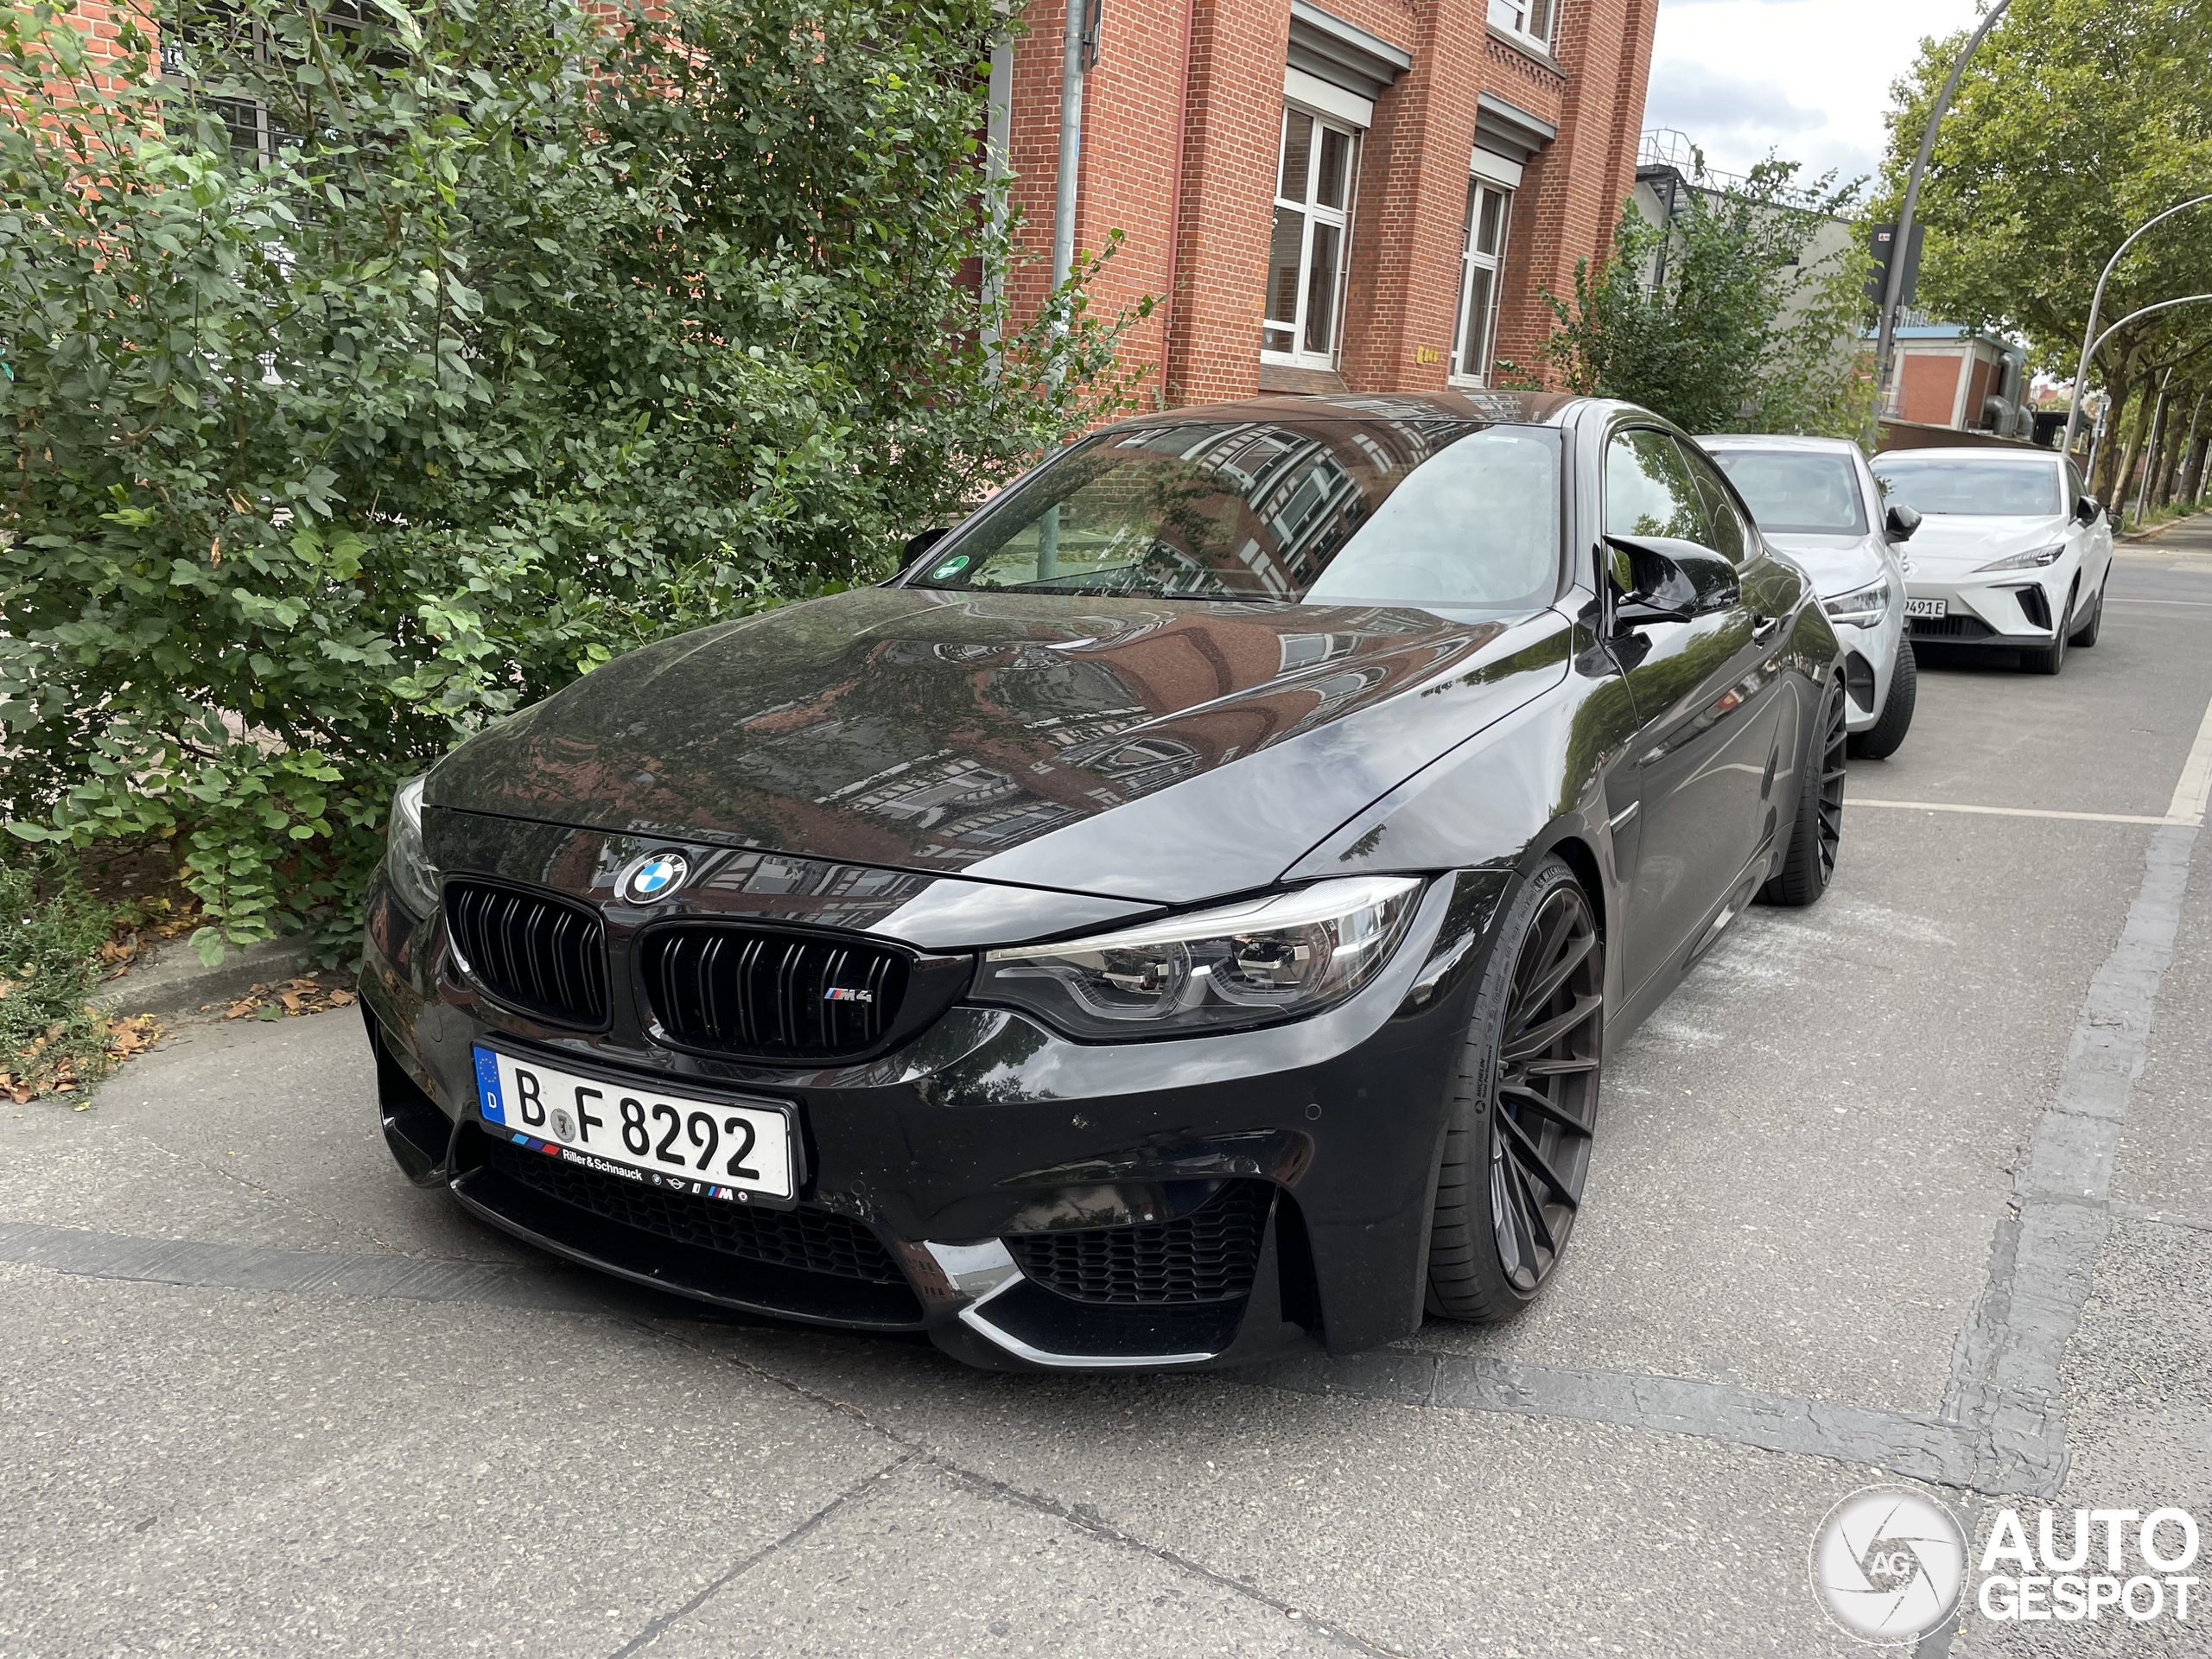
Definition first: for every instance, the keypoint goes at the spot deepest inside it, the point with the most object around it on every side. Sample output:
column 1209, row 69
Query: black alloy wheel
column 1816, row 832
column 1524, row 1110
column 2052, row 658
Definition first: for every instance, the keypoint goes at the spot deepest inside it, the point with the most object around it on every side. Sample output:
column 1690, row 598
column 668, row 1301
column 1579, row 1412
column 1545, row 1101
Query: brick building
column 1364, row 198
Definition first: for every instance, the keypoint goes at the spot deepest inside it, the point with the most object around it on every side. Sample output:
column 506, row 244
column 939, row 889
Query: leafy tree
column 1730, row 318
column 377, row 369
column 2075, row 122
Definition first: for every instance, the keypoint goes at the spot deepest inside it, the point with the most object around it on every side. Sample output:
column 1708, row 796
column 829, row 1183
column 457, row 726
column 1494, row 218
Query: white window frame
column 1471, row 259
column 1535, row 21
column 1327, row 109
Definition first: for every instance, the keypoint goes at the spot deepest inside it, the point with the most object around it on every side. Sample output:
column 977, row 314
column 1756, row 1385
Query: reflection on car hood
column 1153, row 749
column 1836, row 563
column 1954, row 542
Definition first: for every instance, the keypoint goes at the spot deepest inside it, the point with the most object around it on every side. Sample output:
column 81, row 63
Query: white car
column 2012, row 551
column 1816, row 502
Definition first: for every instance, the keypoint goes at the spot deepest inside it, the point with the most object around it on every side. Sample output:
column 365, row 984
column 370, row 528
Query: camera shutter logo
column 1888, row 1564
column 655, row 876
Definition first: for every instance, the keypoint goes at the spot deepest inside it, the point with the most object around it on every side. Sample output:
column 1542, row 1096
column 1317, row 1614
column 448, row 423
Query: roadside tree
column 1731, row 318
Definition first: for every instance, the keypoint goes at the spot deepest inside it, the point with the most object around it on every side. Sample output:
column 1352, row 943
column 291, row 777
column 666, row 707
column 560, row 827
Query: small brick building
column 1365, row 198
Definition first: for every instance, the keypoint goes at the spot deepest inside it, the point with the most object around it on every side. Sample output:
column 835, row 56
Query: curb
column 173, row 980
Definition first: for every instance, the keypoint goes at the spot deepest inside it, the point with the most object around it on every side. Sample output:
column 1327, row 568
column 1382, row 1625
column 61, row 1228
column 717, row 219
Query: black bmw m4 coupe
column 1183, row 916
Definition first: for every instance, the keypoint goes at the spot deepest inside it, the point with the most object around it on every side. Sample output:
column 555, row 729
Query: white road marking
column 2189, row 794
column 2190, row 604
column 2010, row 811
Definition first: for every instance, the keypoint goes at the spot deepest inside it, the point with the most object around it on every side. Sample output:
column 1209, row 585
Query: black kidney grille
column 813, row 1241
column 539, row 953
column 1210, row 1255
column 752, row 990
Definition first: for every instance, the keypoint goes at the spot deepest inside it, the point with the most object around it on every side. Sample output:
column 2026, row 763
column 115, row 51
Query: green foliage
column 2075, row 122
column 1751, row 326
column 372, row 379
column 50, row 934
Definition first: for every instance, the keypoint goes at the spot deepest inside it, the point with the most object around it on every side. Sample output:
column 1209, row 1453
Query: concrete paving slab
column 222, row 1472
column 923, row 1563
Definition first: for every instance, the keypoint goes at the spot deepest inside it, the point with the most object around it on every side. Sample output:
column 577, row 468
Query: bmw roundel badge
column 654, row 877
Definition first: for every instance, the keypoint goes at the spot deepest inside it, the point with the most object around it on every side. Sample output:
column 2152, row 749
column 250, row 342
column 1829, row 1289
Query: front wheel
column 1881, row 739
column 1524, row 1108
column 2086, row 635
column 1816, row 831
column 2052, row 657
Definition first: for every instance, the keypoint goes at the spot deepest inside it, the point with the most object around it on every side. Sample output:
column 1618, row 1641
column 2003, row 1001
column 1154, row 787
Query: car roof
column 1498, row 408
column 1964, row 452
column 1778, row 440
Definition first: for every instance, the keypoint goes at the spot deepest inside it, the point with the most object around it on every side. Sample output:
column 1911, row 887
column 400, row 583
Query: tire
column 1524, row 1106
column 2086, row 635
column 1881, row 739
column 2051, row 658
column 1816, row 829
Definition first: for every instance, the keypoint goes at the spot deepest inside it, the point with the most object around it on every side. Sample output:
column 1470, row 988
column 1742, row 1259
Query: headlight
column 414, row 878
column 1253, row 963
column 1862, row 607
column 2034, row 560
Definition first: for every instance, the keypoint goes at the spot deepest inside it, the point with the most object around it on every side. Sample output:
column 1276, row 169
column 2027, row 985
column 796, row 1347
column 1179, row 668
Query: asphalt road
column 1910, row 1187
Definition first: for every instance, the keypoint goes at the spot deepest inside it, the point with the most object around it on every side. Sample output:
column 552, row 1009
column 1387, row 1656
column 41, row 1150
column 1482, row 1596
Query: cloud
column 1702, row 99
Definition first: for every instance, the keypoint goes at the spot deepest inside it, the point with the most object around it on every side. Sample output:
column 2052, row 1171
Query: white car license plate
column 717, row 1149
column 1933, row 607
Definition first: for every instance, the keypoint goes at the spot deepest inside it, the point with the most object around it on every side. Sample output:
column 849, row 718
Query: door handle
column 1763, row 628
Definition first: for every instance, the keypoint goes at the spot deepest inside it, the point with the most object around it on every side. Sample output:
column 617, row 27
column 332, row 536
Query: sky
column 1808, row 78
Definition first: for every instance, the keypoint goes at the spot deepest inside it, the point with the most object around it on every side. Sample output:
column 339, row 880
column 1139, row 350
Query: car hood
column 1950, row 544
column 1161, row 750
column 1836, row 563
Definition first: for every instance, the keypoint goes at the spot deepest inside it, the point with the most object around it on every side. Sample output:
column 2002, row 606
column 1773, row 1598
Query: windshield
column 2012, row 489
column 1796, row 490
column 1421, row 510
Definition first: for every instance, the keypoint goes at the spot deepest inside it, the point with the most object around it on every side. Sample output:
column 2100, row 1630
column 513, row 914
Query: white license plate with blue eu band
column 735, row 1151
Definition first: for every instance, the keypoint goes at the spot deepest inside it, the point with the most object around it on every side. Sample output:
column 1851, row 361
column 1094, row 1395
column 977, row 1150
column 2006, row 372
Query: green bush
column 373, row 379
column 51, row 932
column 1745, row 329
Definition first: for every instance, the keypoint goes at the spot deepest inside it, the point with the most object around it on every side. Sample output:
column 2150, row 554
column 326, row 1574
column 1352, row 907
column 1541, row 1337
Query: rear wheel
column 1816, row 832
column 1881, row 739
column 1516, row 1149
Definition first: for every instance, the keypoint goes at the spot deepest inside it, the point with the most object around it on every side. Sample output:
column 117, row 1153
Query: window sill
column 1298, row 379
column 1528, row 49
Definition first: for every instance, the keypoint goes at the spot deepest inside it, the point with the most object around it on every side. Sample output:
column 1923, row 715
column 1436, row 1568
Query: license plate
column 1930, row 607
column 737, row 1152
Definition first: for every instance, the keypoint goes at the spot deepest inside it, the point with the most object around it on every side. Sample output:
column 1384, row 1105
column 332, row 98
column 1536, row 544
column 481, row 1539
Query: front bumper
column 941, row 1181
column 1870, row 663
column 2009, row 610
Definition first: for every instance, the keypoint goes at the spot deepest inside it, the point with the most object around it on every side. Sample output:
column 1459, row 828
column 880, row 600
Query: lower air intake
column 1208, row 1255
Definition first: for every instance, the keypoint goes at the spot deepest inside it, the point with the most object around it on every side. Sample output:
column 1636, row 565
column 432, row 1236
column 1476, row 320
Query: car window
column 1649, row 490
column 1731, row 537
column 1995, row 488
column 1419, row 509
column 1797, row 492
column 2075, row 489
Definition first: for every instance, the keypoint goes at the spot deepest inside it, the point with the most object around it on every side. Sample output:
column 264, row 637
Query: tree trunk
column 2123, row 494
column 2117, row 393
column 2192, row 478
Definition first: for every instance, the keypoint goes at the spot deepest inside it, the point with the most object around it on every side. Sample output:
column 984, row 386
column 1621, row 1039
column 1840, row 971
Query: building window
column 1306, row 258
column 1489, row 212
column 1533, row 20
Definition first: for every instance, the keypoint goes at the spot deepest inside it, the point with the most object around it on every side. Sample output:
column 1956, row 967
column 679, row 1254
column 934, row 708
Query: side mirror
column 1667, row 580
column 1898, row 523
column 2086, row 510
column 918, row 545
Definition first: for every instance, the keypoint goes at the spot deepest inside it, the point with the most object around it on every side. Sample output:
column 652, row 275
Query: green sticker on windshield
column 952, row 567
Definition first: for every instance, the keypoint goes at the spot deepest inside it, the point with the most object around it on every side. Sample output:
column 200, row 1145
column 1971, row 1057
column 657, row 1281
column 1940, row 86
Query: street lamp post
column 1885, row 334
column 2097, row 304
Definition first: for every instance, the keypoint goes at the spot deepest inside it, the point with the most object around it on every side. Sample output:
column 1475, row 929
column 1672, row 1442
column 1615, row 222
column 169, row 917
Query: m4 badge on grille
column 839, row 994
